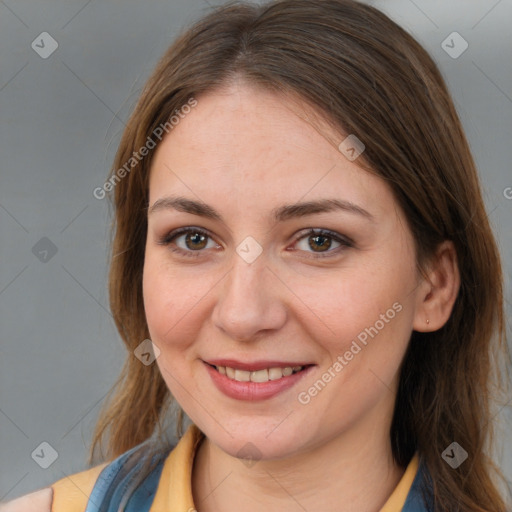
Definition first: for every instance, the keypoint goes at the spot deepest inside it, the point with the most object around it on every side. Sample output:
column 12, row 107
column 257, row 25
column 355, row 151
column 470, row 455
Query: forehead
column 255, row 147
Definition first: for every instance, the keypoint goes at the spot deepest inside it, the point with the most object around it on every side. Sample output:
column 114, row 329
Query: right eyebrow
column 185, row 205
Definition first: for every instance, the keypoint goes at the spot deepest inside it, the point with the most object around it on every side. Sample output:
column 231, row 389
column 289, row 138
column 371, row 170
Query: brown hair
column 366, row 76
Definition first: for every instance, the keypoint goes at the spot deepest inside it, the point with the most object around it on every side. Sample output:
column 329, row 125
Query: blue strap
column 415, row 501
column 118, row 487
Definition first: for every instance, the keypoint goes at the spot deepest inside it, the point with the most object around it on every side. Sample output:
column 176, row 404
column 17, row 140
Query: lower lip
column 252, row 391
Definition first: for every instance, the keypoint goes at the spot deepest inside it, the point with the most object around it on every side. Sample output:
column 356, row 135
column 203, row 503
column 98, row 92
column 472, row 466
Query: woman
column 308, row 252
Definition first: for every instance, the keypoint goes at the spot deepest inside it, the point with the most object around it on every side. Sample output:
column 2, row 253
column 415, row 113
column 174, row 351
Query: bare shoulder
column 38, row 501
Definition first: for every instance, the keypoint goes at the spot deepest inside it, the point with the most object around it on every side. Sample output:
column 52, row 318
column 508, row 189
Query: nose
column 250, row 301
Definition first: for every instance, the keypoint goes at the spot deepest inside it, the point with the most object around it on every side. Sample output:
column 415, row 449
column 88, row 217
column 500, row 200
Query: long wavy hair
column 365, row 75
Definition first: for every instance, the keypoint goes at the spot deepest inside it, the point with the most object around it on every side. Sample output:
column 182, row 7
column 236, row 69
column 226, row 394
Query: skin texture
column 38, row 501
column 245, row 151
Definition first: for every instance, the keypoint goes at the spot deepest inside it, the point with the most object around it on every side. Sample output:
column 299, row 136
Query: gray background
column 61, row 120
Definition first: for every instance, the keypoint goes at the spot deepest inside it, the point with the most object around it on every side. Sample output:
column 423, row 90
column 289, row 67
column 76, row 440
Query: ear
column 437, row 291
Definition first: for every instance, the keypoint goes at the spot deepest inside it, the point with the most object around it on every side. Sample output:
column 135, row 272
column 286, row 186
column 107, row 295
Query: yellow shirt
column 174, row 490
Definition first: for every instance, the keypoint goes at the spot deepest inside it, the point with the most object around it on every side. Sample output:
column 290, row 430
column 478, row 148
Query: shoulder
column 130, row 479
column 68, row 494
column 72, row 492
column 40, row 501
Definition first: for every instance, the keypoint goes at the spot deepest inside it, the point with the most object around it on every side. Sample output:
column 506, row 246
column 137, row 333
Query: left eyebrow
column 280, row 214
column 323, row 205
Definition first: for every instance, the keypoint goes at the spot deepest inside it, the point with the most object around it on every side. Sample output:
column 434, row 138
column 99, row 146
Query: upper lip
column 254, row 365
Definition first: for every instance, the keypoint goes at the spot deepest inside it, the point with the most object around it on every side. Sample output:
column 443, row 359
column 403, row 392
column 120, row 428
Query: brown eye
column 195, row 240
column 319, row 242
column 188, row 241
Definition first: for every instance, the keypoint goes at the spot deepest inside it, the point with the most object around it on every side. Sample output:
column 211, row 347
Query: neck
column 336, row 476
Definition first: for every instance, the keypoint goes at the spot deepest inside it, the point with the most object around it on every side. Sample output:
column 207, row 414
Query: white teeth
column 242, row 375
column 259, row 375
column 275, row 373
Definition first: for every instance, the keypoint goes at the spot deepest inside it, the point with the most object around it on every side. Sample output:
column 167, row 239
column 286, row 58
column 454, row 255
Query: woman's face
column 247, row 294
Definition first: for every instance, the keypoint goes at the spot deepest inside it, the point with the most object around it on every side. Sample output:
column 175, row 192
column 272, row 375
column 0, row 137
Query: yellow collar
column 175, row 488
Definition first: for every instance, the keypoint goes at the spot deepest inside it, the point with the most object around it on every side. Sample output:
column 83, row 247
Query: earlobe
column 438, row 291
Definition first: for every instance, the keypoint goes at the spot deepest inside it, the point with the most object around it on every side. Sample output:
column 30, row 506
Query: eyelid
column 325, row 232
column 175, row 233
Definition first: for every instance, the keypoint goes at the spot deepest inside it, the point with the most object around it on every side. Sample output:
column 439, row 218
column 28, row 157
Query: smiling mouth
column 258, row 376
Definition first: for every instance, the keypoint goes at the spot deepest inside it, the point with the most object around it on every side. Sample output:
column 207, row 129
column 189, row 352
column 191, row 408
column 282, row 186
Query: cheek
column 357, row 301
column 367, row 314
column 172, row 302
column 168, row 314
column 161, row 306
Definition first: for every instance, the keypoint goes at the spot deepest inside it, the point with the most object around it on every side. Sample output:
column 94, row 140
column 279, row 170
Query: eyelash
column 344, row 241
